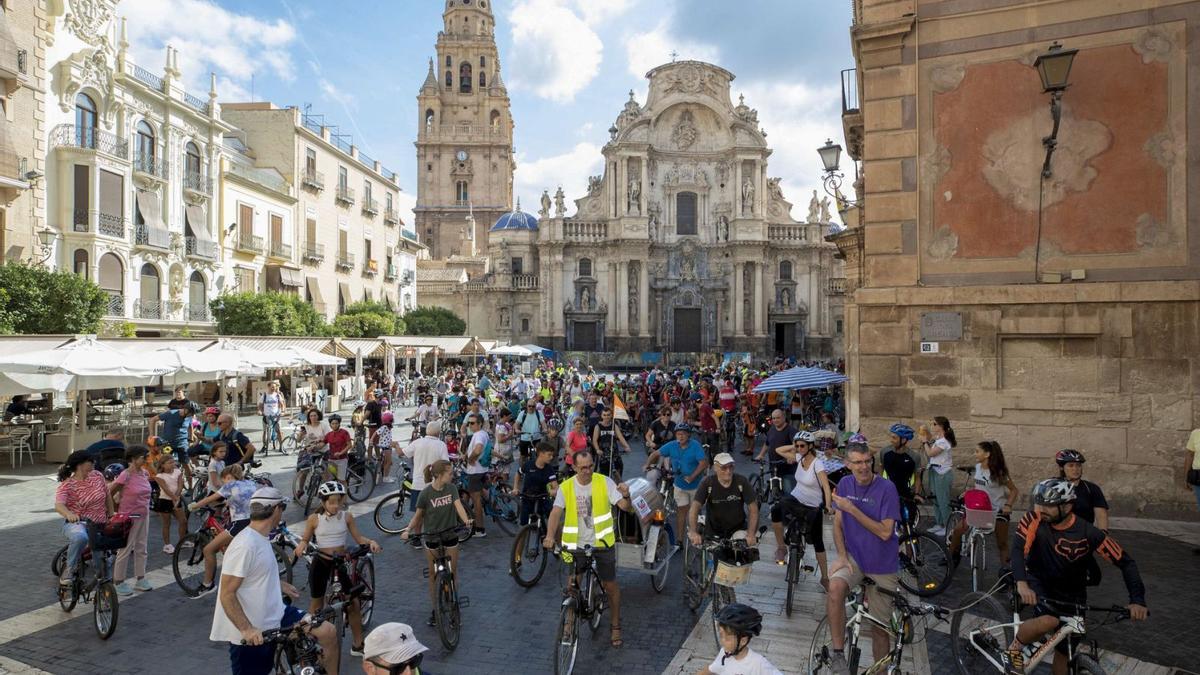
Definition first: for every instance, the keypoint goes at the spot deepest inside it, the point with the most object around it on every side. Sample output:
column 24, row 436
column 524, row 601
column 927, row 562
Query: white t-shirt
column 250, row 557
column 480, row 438
column 426, row 412
column 583, row 506
column 997, row 492
column 808, row 487
column 752, row 663
column 425, row 451
column 271, row 404
column 943, row 462
column 504, row 447
column 314, row 434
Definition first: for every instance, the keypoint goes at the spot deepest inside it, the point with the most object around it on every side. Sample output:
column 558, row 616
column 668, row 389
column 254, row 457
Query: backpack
column 485, row 458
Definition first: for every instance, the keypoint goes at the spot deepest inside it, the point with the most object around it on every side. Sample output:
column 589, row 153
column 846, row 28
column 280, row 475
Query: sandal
column 615, row 639
column 781, row 554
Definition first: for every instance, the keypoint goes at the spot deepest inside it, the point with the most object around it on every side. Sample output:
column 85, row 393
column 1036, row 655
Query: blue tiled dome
column 516, row 220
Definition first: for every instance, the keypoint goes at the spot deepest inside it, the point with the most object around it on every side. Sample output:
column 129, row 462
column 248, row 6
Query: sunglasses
column 583, row 468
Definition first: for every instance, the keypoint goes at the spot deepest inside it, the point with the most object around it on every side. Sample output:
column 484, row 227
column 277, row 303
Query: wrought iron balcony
column 23, row 61
column 281, row 250
column 248, row 243
column 370, row 267
column 196, row 103
column 144, row 76
column 391, row 272
column 115, row 305
column 345, row 261
column 314, row 252
column 313, row 179
column 110, row 225
column 391, row 216
column 148, row 165
column 200, row 248
column 198, row 312
column 148, row 309
column 370, row 207
column 89, row 138
column 194, row 181
column 152, row 237
column 345, row 195
column 82, row 220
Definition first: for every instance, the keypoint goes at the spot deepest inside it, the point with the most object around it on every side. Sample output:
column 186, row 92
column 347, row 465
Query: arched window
column 191, row 158
column 148, row 305
column 585, row 267
column 449, row 79
column 785, row 270
column 482, row 60
column 80, row 262
column 429, row 120
column 449, row 61
column 495, row 120
column 85, row 121
column 685, row 213
column 462, row 193
column 197, row 298
column 111, row 273
column 144, row 148
column 464, row 78
column 482, row 79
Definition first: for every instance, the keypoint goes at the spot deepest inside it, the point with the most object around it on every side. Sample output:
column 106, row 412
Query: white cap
column 723, row 458
column 267, row 496
column 392, row 642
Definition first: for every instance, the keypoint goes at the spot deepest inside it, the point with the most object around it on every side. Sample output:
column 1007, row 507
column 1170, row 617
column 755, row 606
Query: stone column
column 644, row 300
column 760, row 302
column 622, row 290
column 737, row 188
column 736, row 301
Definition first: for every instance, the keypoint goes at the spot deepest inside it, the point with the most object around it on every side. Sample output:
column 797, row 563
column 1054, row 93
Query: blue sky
column 568, row 64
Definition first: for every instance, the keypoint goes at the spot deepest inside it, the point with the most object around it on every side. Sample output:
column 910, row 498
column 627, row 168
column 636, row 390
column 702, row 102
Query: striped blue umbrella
column 800, row 377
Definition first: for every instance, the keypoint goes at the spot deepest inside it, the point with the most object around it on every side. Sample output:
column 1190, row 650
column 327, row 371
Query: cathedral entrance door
column 785, row 338
column 584, row 336
column 689, row 336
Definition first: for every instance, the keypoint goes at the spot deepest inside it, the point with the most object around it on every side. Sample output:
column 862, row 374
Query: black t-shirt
column 535, row 480
column 726, row 506
column 1088, row 498
column 592, row 413
column 663, row 433
column 235, row 446
column 776, row 438
column 1058, row 557
column 899, row 467
column 374, row 413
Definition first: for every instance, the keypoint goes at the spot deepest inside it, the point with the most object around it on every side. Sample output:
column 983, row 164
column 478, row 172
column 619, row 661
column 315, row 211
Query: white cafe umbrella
column 196, row 366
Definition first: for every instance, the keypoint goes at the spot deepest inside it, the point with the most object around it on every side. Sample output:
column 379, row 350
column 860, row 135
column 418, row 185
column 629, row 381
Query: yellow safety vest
column 602, row 518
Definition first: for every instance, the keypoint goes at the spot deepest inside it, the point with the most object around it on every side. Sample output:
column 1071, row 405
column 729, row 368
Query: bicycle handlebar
column 458, row 530
column 358, row 552
column 276, row 634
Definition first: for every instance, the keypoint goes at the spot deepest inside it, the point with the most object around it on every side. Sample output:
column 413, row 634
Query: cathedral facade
column 683, row 244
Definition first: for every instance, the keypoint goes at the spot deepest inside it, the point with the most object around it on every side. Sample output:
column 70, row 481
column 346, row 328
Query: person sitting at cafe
column 17, row 407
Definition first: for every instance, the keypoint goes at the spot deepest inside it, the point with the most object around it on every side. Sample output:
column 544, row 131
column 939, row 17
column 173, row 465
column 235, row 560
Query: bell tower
column 464, row 141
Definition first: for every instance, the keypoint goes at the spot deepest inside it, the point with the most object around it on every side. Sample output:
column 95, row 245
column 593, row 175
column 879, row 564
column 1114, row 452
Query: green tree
column 266, row 314
column 433, row 321
column 362, row 325
column 37, row 300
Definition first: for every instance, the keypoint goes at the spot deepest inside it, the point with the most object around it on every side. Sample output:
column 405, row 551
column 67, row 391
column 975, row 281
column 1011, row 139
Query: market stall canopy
column 539, row 351
column 511, row 350
column 195, row 366
column 453, row 345
column 372, row 348
column 88, row 365
column 800, row 377
column 255, row 360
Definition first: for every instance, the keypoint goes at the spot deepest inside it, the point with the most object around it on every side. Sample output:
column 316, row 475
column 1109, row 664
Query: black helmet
column 334, row 418
column 1053, row 492
column 742, row 619
column 1065, row 456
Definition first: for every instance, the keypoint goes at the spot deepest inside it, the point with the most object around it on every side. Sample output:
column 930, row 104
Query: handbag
column 1193, row 477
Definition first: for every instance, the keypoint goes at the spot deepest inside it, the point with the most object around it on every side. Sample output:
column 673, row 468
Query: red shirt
column 87, row 498
column 339, row 443
column 708, row 423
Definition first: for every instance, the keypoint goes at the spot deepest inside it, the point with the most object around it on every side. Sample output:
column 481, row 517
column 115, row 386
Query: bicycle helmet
column 904, row 431
column 555, row 424
column 113, row 470
column 856, row 439
column 212, row 411
column 334, row 418
column 387, row 418
column 684, row 427
column 805, row 436
column 744, row 620
column 1053, row 492
column 1066, row 456
column 331, row 487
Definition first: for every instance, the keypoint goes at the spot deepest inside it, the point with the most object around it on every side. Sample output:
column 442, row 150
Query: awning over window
column 280, row 278
column 347, row 299
column 147, row 203
column 314, row 290
column 197, row 222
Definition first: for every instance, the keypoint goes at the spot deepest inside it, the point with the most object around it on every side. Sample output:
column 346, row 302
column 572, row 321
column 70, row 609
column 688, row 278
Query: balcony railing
column 849, row 91
column 345, row 195
column 313, row 179
column 526, row 282
column 585, row 231
column 248, row 243
column 391, row 272
column 146, row 163
column 281, row 250
column 115, row 305
column 82, row 221
column 144, row 76
column 148, row 309
column 89, row 138
column 391, row 216
column 195, row 102
column 198, row 313
column 788, row 234
column 200, row 248
column 370, row 267
column 23, row 61
column 409, row 234
column 370, row 207
column 837, row 286
column 345, row 261
column 110, row 225
column 314, row 252
column 197, row 182
column 152, row 237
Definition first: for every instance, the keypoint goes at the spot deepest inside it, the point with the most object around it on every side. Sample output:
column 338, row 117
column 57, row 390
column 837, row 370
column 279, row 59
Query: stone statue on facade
column 722, row 228
column 825, row 217
column 560, row 203
column 785, row 298
column 747, row 196
column 545, row 210
column 814, row 209
column 634, row 278
column 593, row 186
column 635, row 196
column 585, row 299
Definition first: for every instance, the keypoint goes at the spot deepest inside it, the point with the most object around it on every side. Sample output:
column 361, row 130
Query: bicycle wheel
column 447, row 612
column 527, row 562
column 693, row 577
column 360, row 482
column 662, row 556
column 392, row 514
column 104, row 610
column 283, row 560
column 952, row 522
column 792, row 578
column 310, row 491
column 299, row 484
column 58, row 562
column 505, row 512
column 290, row 444
column 592, row 592
column 977, row 632
column 566, row 645
column 366, row 599
column 68, row 596
column 978, row 560
column 721, row 596
column 1087, row 664
column 924, row 564
column 187, row 562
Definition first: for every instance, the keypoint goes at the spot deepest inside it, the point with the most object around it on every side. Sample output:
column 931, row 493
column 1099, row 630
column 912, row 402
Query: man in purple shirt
column 864, row 531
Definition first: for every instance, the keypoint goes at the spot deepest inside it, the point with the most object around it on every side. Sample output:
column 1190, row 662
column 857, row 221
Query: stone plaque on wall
column 941, row 326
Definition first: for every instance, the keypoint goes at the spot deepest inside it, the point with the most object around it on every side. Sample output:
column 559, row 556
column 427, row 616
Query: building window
column 461, row 194
column 343, row 179
column 449, row 79
column 785, row 270
column 245, row 222
column 449, row 61
column 429, row 120
column 80, row 262
column 191, row 159
column 482, row 61
column 85, row 121
column 518, row 265
column 366, row 191
column 585, row 267
column 464, row 78
column 367, row 257
column 310, row 161
column 495, row 120
column 245, row 277
column 144, row 145
column 388, row 202
column 838, row 329
column 685, row 213
column 524, row 325
column 482, row 80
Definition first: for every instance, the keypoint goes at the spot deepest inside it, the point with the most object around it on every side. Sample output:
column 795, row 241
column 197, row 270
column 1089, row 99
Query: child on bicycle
column 439, row 508
column 330, row 528
column 738, row 624
column 338, row 440
column 991, row 476
column 236, row 492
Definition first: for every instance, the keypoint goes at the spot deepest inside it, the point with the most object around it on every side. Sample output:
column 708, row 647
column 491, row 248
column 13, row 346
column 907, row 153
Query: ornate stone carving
column 88, row 20
column 944, row 244
column 594, row 184
column 814, row 209
column 825, row 216
column 723, row 171
column 634, row 202
column 1153, row 44
column 654, row 210
column 1011, row 160
column 946, row 77
column 722, row 228
column 685, row 133
column 747, row 196
column 635, row 277
column 560, row 203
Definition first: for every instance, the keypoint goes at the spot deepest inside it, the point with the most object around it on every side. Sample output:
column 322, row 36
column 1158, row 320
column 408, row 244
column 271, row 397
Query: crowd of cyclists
column 556, row 437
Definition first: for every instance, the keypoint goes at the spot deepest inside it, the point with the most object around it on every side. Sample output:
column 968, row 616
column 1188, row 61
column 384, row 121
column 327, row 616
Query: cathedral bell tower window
column 464, row 78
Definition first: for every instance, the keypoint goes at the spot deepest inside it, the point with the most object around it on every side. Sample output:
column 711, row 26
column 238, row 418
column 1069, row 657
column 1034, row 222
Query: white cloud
column 652, row 48
column 331, row 92
column 244, row 45
column 570, row 170
column 599, row 11
column 797, row 118
column 405, row 202
column 555, row 53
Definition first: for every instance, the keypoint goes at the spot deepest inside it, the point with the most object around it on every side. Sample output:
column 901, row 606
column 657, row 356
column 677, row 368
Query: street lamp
column 1054, row 67
column 46, row 237
column 831, row 157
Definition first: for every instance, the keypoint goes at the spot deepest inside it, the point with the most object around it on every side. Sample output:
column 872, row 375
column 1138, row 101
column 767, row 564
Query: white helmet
column 331, row 487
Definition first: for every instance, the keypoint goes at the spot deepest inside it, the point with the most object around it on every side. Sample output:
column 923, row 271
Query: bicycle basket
column 112, row 535
column 731, row 574
column 978, row 507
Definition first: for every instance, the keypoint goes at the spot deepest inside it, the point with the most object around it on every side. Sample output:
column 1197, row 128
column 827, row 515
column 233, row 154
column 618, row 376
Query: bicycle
column 981, row 632
column 447, row 611
column 187, row 562
column 979, row 525
column 766, row 485
column 795, row 533
column 311, row 470
column 925, row 568
column 271, row 435
column 357, row 567
column 957, row 512
column 585, row 600
column 362, row 474
column 709, row 571
column 900, row 630
column 98, row 588
column 498, row 502
column 293, row 442
column 392, row 513
column 527, row 562
column 296, row 650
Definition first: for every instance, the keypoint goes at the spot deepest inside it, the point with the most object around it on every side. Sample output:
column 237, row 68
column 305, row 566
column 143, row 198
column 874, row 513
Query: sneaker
column 937, row 531
column 357, row 650
column 168, row 549
column 143, row 585
column 432, row 622
column 781, row 554
column 479, row 532
column 187, row 543
column 1013, row 661
column 124, row 588
column 389, row 479
column 838, row 664
column 204, row 590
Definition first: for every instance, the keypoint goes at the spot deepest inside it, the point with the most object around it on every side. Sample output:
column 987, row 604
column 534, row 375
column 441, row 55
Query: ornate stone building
column 464, row 136
column 683, row 244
